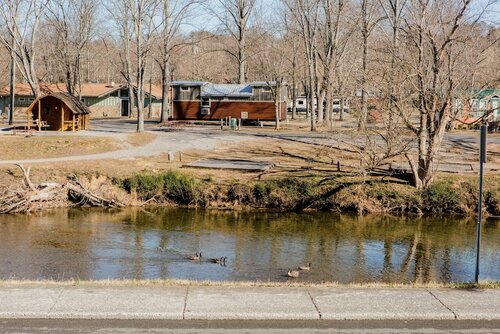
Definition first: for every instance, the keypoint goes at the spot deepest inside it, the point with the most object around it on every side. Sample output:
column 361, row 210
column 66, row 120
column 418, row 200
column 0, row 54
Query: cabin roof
column 73, row 103
column 88, row 89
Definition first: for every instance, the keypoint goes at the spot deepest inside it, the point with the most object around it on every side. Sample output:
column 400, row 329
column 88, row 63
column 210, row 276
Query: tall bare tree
column 235, row 16
column 432, row 42
column 73, row 22
column 120, row 10
column 336, row 30
column 143, row 14
column 369, row 18
column 174, row 15
column 21, row 18
column 306, row 13
column 394, row 13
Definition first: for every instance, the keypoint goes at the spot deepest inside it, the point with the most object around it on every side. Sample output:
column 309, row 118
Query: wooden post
column 62, row 117
column 39, row 116
column 73, row 121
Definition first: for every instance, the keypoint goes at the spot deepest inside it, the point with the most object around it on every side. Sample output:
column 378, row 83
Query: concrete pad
column 249, row 303
column 249, row 165
column 371, row 304
column 120, row 303
column 27, row 302
column 471, row 304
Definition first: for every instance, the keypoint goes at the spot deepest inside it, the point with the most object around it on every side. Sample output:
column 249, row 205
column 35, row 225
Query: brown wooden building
column 58, row 112
column 206, row 101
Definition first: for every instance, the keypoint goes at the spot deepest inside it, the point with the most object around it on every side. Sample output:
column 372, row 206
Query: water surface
column 260, row 246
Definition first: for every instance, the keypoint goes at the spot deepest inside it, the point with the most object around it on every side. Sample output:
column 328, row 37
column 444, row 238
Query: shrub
column 441, row 197
column 178, row 187
column 146, row 185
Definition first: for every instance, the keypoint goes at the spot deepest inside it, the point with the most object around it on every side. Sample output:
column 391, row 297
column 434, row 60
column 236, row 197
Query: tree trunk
column 277, row 105
column 131, row 99
column 364, row 98
column 294, row 87
column 12, row 86
column 165, row 90
column 321, row 114
column 341, row 111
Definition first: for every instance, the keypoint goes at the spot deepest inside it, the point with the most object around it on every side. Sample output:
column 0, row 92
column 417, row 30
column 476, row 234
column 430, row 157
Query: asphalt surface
column 256, row 327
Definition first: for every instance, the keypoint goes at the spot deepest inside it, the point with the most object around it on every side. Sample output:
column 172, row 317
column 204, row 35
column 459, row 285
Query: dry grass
column 140, row 139
column 53, row 146
column 256, row 284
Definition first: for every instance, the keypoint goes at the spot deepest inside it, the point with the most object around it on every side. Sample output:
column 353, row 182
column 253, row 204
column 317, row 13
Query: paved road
column 256, row 327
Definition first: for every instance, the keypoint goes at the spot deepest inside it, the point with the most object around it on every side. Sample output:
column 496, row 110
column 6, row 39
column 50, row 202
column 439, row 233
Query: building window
column 184, row 89
column 22, row 99
column 31, row 99
column 205, row 102
column 114, row 94
column 301, row 103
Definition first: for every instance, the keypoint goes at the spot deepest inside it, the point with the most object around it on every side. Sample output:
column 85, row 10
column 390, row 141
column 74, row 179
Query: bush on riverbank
column 170, row 185
column 448, row 195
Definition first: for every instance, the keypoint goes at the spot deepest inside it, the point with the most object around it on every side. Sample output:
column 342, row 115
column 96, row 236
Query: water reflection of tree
column 409, row 248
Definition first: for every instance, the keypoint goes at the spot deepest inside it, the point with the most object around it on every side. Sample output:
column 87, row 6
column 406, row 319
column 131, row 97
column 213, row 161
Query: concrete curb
column 248, row 303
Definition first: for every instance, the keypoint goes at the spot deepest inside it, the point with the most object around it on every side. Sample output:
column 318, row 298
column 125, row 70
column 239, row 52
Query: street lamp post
column 482, row 160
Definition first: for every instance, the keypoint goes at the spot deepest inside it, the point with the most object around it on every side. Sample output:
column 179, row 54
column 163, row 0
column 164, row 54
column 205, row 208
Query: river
column 95, row 244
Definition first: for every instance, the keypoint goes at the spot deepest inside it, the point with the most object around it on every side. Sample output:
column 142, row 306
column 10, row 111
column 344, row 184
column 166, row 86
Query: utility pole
column 482, row 160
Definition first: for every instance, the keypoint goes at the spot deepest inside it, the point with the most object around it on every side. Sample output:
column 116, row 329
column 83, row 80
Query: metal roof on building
column 188, row 83
column 229, row 90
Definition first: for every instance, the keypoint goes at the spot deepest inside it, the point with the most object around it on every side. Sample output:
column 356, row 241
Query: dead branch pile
column 30, row 197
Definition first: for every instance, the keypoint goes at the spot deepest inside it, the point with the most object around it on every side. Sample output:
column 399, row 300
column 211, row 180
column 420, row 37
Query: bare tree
column 120, row 10
column 174, row 15
column 336, row 31
column 369, row 19
column 306, row 13
column 394, row 13
column 272, row 63
column 73, row 22
column 235, row 18
column 143, row 21
column 432, row 53
column 21, row 18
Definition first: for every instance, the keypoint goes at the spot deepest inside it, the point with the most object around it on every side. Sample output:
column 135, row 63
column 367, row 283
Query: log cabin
column 198, row 100
column 58, row 112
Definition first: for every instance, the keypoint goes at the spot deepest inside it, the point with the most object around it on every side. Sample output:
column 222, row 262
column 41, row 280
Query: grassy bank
column 177, row 282
column 448, row 195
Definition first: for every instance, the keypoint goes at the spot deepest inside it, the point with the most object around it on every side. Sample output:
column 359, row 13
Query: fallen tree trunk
column 78, row 194
column 47, row 195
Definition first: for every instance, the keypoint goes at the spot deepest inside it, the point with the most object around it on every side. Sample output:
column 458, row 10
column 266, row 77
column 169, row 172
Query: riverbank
column 455, row 195
column 337, row 192
column 251, row 303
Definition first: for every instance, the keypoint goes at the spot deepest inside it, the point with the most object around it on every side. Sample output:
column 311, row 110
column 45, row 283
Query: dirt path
column 175, row 141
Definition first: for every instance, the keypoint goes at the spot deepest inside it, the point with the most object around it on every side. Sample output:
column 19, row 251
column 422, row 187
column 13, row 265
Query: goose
column 221, row 260
column 305, row 267
column 195, row 257
column 293, row 273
